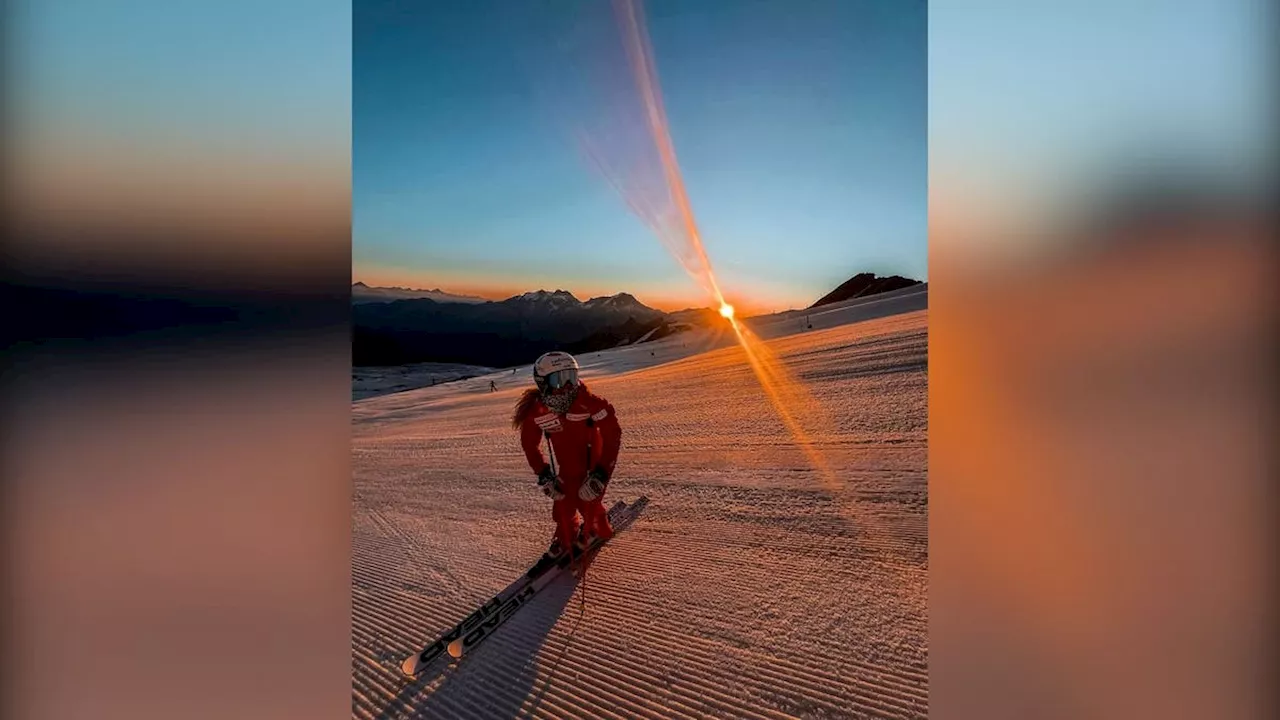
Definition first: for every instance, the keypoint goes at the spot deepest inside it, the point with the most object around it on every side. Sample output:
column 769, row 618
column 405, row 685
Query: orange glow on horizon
column 502, row 288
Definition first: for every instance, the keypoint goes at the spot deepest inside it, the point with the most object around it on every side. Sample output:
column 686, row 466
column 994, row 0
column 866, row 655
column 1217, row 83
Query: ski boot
column 603, row 530
column 555, row 555
column 584, row 548
column 585, row 541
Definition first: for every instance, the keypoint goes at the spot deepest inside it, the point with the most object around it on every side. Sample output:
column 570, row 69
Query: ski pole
column 550, row 453
column 551, row 456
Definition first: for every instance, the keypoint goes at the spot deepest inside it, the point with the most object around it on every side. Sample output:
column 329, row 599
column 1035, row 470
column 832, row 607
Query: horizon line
column 673, row 303
column 756, row 308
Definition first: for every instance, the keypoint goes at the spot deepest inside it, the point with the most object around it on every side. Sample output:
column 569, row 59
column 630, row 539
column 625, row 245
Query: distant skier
column 492, row 387
column 583, row 436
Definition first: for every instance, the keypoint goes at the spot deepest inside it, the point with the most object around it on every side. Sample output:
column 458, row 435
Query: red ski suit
column 586, row 437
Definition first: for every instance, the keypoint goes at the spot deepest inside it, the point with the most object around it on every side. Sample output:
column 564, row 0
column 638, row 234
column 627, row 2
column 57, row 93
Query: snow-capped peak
column 559, row 297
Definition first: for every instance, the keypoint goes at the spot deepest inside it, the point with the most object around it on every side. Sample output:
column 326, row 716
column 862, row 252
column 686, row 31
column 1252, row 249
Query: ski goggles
column 560, row 379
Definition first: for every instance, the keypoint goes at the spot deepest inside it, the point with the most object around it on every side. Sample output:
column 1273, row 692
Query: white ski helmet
column 555, row 370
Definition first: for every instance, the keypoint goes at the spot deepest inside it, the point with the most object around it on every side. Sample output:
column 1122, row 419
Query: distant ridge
column 362, row 293
column 507, row 332
column 863, row 285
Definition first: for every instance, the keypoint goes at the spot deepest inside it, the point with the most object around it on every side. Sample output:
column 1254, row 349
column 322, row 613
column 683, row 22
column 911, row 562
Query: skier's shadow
column 496, row 678
column 500, row 677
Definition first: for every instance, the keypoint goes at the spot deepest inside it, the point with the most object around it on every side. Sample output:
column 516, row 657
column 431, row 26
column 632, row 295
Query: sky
column 1036, row 108
column 799, row 124
column 799, row 127
column 154, row 113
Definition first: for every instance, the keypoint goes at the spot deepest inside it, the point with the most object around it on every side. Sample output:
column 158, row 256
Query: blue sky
column 800, row 129
column 1040, row 105
column 236, row 77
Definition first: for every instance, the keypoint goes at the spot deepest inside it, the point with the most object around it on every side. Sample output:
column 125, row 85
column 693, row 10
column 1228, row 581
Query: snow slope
column 367, row 382
column 749, row 587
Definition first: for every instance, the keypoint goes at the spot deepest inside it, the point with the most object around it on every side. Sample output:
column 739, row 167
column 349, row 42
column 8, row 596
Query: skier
column 493, row 387
column 583, row 436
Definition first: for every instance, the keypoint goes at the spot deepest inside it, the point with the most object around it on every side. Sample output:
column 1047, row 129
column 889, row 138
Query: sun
column 726, row 310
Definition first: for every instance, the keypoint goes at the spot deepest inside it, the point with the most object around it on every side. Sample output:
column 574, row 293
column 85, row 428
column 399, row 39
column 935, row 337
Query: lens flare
column 634, row 154
column 667, row 210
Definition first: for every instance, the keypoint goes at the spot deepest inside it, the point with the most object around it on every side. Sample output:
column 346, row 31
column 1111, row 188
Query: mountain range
column 503, row 333
column 394, row 326
column 362, row 293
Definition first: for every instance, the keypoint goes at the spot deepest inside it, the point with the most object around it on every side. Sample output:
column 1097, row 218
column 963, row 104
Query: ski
column 480, row 624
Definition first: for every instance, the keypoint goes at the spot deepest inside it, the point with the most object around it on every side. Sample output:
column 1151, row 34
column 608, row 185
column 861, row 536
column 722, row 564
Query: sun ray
column 643, row 170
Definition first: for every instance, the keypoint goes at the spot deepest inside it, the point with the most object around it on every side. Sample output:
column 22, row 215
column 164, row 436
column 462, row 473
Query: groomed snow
column 751, row 586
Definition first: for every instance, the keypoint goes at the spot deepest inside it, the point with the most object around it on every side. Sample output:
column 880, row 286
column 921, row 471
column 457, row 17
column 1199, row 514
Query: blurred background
column 1102, row 359
column 176, row 389
column 176, row 383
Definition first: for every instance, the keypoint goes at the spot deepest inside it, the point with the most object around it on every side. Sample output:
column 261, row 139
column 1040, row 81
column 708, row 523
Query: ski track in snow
column 749, row 587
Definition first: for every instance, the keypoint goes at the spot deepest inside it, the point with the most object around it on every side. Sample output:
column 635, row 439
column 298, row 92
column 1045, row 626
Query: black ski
column 480, row 624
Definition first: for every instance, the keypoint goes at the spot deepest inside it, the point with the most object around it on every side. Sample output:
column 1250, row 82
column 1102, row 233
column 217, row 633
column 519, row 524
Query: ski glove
column 593, row 487
column 549, row 483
